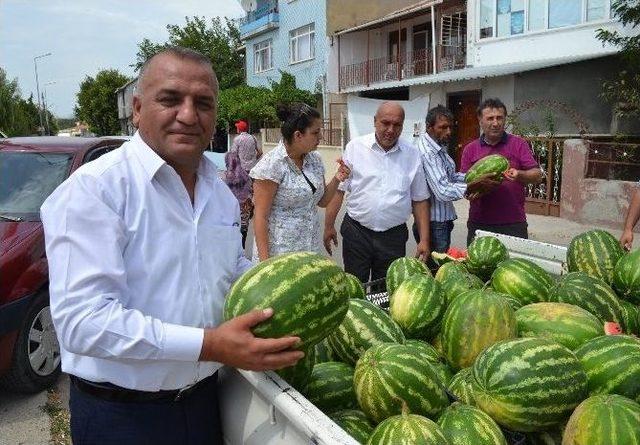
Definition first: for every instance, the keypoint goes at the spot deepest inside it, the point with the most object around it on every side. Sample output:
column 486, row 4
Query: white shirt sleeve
column 419, row 188
column 85, row 242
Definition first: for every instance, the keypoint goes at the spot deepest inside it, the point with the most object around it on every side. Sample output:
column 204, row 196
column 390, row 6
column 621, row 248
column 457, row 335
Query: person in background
column 289, row 186
column 239, row 182
column 499, row 206
column 633, row 215
column 445, row 184
column 143, row 244
column 387, row 184
column 246, row 145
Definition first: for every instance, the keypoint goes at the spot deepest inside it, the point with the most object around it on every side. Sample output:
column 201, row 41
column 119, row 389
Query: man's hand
column 484, row 184
column 232, row 343
column 330, row 235
column 422, row 251
column 626, row 240
column 512, row 174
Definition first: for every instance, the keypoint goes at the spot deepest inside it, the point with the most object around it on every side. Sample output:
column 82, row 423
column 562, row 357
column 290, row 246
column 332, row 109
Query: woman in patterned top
column 289, row 186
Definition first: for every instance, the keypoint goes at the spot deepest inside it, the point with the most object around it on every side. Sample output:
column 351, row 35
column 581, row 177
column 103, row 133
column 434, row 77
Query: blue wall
column 293, row 14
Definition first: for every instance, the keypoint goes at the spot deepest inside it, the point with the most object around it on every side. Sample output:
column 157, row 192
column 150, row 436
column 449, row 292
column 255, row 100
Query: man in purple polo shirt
column 500, row 207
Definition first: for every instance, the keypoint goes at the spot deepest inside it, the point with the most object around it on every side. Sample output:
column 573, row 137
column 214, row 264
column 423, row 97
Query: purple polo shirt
column 505, row 204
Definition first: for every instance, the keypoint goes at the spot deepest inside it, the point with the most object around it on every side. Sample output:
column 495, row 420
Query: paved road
column 22, row 420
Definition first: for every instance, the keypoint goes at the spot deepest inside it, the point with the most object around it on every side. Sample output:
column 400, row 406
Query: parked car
column 30, row 169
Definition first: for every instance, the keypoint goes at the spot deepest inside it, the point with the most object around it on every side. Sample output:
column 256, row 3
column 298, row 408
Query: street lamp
column 44, row 105
column 35, row 64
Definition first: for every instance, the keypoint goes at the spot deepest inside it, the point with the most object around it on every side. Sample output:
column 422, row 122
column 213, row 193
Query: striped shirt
column 445, row 184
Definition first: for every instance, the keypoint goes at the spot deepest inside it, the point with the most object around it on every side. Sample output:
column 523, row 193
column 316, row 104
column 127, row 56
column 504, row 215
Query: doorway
column 463, row 105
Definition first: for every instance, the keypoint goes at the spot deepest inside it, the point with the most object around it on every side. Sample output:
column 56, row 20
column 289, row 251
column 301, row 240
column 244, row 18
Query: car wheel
column 36, row 354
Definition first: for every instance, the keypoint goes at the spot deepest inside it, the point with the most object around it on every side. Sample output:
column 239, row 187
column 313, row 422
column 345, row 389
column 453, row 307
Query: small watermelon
column 495, row 165
column 401, row 269
column 408, row 429
column 330, row 387
column 354, row 422
column 484, row 255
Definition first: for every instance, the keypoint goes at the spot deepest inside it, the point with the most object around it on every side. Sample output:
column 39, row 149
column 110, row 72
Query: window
column 302, row 46
column 501, row 18
column 262, row 60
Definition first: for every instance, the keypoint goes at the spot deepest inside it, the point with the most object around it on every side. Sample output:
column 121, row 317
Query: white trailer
column 259, row 408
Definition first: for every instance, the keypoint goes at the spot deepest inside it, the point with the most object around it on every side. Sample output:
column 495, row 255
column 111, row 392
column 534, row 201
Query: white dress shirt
column 445, row 183
column 136, row 271
column 383, row 183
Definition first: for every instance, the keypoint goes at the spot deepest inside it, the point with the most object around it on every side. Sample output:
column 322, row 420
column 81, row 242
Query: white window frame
column 583, row 21
column 264, row 46
column 296, row 36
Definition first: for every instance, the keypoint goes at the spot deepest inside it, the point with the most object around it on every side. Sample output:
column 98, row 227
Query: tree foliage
column 258, row 104
column 19, row 117
column 97, row 103
column 624, row 92
column 217, row 40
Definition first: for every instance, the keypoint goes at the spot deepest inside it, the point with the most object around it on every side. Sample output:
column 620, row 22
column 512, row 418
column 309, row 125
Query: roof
column 416, row 8
column 478, row 72
column 57, row 143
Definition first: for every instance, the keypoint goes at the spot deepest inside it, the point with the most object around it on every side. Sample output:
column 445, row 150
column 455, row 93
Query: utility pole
column 44, row 106
column 35, row 64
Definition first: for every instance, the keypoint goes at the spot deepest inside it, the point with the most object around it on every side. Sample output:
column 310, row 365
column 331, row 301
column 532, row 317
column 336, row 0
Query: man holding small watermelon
column 499, row 207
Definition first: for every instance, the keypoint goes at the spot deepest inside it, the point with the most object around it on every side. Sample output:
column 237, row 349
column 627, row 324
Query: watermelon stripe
column 596, row 253
column 417, row 306
column 523, row 280
column 407, row 429
column 626, row 277
column 463, row 424
column 461, row 386
column 484, row 255
column 355, row 423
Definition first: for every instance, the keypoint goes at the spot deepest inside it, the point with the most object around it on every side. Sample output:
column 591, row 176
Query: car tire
column 36, row 354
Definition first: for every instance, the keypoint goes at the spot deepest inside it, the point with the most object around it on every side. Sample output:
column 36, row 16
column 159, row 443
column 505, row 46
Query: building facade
column 286, row 35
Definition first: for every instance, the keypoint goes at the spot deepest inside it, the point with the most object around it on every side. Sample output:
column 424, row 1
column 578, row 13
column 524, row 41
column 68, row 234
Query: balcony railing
column 412, row 64
column 264, row 18
column 264, row 10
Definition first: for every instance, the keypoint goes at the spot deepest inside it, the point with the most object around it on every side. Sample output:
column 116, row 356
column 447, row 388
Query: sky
column 85, row 37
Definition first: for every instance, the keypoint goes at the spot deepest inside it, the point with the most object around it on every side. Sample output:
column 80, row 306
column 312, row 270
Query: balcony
column 261, row 20
column 409, row 65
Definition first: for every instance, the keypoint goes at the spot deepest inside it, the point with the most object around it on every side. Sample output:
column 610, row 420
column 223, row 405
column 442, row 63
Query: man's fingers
column 250, row 319
column 281, row 360
column 271, row 345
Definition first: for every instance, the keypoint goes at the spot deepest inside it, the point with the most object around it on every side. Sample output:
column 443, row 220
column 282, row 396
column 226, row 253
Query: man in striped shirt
column 445, row 184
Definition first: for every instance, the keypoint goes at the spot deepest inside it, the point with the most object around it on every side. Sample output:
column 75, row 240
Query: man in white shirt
column 387, row 184
column 143, row 244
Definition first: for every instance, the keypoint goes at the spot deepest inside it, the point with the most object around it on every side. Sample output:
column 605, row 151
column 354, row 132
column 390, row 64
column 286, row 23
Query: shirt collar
column 432, row 143
column 503, row 139
column 373, row 144
column 152, row 162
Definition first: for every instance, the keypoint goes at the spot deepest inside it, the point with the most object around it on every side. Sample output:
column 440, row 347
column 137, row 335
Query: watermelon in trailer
column 401, row 269
column 330, row 387
column 523, row 280
column 408, row 429
column 626, row 277
column 484, row 254
column 354, row 422
column 595, row 253
column 463, row 425
column 308, row 294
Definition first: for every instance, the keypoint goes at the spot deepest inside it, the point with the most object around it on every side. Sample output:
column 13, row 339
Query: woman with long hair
column 289, row 186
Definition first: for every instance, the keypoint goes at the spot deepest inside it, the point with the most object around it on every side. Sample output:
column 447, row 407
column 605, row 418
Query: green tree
column 285, row 91
column 217, row 40
column 18, row 117
column 624, row 91
column 97, row 104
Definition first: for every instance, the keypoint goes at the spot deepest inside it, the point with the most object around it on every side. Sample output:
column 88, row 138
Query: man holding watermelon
column 143, row 244
column 499, row 207
column 633, row 215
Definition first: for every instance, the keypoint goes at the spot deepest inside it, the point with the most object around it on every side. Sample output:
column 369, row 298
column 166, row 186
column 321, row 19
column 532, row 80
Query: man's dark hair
column 492, row 102
column 437, row 111
column 180, row 52
column 296, row 116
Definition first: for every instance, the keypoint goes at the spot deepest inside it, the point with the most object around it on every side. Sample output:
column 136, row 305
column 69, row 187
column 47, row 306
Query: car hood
column 12, row 233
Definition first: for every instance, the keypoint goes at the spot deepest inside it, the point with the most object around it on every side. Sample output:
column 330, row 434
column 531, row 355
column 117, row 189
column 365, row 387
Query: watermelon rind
column 493, row 164
column 522, row 279
column 596, row 253
column 354, row 422
column 417, row 306
column 401, row 269
column 483, row 256
column 330, row 387
column 463, row 425
column 626, row 277
column 408, row 429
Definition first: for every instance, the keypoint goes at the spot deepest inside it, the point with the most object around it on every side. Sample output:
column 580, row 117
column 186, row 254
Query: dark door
column 465, row 128
column 421, row 47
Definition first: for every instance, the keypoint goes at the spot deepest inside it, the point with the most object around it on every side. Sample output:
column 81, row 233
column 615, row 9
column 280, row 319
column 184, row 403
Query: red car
column 30, row 169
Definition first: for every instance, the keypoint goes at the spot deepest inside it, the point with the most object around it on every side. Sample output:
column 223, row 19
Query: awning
column 395, row 15
column 479, row 72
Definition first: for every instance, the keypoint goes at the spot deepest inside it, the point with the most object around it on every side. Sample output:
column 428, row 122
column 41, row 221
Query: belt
column 114, row 393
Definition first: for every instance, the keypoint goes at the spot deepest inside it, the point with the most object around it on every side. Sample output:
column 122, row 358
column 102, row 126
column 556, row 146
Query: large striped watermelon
column 473, row 321
column 417, row 306
column 408, row 429
column 495, row 165
column 461, row 386
column 612, row 364
column 626, row 277
column 330, row 387
column 401, row 269
column 604, row 420
column 390, row 376
column 298, row 374
column 465, row 425
column 354, row 422
column 591, row 294
column 365, row 325
column 484, row 255
column 434, row 358
column 595, row 253
column 308, row 294
column 356, row 289
column 631, row 317
column 567, row 324
column 528, row 384
column 523, row 280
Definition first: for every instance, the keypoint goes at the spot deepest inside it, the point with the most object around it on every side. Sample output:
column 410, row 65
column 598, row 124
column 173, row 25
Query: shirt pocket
column 218, row 250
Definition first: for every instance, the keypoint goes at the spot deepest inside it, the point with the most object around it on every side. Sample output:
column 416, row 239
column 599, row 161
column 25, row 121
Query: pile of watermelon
column 490, row 350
